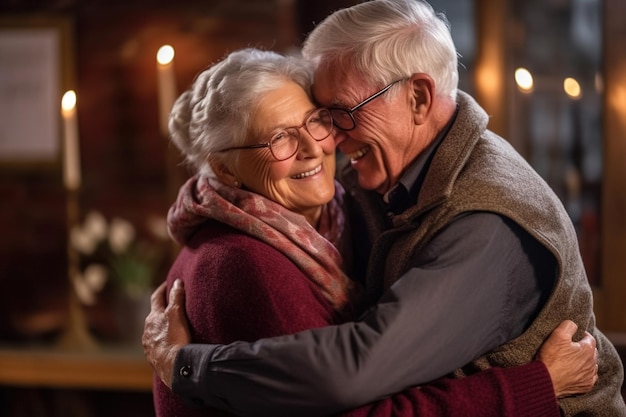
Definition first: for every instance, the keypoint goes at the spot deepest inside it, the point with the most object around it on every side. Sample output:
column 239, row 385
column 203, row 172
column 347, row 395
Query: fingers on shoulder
column 567, row 327
column 157, row 299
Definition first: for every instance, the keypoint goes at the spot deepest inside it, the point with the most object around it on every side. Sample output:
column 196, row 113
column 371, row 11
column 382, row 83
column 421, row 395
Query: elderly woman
column 261, row 222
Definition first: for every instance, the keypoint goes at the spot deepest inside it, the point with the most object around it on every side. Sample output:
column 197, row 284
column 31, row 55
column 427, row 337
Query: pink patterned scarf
column 314, row 252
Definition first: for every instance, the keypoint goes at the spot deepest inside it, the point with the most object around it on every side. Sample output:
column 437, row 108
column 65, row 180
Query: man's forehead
column 332, row 88
column 324, row 95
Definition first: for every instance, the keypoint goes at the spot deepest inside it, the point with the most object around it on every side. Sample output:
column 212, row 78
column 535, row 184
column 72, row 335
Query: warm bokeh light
column 165, row 55
column 571, row 87
column 524, row 79
column 68, row 102
column 488, row 79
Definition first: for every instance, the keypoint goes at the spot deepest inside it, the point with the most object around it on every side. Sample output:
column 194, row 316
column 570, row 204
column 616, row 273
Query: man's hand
column 573, row 366
column 166, row 330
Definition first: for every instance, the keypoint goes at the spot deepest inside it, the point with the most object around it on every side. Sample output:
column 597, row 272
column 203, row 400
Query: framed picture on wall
column 34, row 71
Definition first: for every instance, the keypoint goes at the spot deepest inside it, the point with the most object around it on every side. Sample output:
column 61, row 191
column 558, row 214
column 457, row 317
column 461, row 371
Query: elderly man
column 470, row 257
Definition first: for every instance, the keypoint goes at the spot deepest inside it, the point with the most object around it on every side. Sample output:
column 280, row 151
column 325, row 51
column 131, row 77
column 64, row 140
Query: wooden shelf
column 111, row 368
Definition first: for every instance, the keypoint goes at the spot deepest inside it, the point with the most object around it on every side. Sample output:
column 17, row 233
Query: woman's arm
column 524, row 390
column 563, row 368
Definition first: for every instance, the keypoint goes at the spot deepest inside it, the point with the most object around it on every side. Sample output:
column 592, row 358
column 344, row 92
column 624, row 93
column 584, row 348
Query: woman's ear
column 223, row 173
column 422, row 93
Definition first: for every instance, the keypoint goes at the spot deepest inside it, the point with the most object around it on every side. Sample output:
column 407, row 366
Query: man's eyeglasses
column 285, row 142
column 344, row 119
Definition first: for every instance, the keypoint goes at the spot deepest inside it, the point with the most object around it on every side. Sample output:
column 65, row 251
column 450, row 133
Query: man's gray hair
column 387, row 40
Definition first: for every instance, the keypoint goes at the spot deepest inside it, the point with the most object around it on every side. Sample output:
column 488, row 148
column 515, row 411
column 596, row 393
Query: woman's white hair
column 387, row 40
column 216, row 111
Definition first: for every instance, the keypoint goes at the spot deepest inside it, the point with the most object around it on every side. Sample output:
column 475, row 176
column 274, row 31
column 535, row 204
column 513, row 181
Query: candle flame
column 68, row 102
column 165, row 55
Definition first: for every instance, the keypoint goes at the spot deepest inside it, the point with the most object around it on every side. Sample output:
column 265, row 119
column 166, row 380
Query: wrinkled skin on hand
column 573, row 366
column 166, row 330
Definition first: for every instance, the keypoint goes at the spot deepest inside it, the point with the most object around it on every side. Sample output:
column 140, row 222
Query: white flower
column 96, row 276
column 82, row 242
column 83, row 292
column 121, row 234
column 87, row 285
column 95, row 225
column 109, row 251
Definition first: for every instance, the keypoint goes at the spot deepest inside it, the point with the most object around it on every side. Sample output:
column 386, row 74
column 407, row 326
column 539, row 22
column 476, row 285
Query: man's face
column 379, row 147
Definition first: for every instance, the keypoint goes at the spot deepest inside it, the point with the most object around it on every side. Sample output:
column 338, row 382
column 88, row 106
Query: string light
column 572, row 87
column 524, row 80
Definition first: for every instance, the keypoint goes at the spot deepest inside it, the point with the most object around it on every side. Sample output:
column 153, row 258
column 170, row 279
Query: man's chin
column 368, row 183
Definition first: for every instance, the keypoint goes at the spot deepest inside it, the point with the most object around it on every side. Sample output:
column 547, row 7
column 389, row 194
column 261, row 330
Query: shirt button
column 185, row 371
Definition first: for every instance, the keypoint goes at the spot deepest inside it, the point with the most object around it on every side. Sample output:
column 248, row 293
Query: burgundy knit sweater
column 238, row 288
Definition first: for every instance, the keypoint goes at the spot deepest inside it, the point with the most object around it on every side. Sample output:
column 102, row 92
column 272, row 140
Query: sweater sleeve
column 525, row 390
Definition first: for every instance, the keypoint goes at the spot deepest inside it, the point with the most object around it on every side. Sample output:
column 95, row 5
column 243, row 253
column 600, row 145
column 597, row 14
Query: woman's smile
column 308, row 173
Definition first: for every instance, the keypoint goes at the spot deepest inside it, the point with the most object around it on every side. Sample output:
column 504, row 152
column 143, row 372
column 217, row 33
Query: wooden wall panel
column 612, row 303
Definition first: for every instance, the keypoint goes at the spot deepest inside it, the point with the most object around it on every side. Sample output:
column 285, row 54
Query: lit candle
column 167, row 85
column 71, row 161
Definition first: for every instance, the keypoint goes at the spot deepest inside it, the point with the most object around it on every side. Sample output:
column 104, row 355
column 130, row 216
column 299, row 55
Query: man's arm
column 524, row 390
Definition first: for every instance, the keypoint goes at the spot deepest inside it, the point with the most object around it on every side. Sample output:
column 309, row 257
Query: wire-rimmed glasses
column 344, row 119
column 285, row 142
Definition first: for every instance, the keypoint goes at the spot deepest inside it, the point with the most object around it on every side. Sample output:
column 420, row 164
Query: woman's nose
column 309, row 147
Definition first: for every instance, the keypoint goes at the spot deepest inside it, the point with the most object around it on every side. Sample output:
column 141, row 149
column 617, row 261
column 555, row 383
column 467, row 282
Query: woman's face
column 302, row 183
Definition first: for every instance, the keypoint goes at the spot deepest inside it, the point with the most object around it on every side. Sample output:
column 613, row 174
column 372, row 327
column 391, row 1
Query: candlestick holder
column 75, row 335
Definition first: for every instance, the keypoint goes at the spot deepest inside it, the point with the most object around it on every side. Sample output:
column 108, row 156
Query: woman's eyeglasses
column 285, row 142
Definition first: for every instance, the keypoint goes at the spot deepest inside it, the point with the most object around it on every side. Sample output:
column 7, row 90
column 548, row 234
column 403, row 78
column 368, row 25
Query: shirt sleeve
column 470, row 290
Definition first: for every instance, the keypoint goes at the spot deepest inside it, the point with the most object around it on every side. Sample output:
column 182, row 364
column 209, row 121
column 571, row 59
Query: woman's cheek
column 279, row 170
column 328, row 145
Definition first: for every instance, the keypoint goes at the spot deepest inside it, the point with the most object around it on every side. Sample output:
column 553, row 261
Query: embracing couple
column 435, row 273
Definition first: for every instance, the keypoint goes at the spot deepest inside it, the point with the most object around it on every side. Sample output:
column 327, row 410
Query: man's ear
column 422, row 93
column 223, row 172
